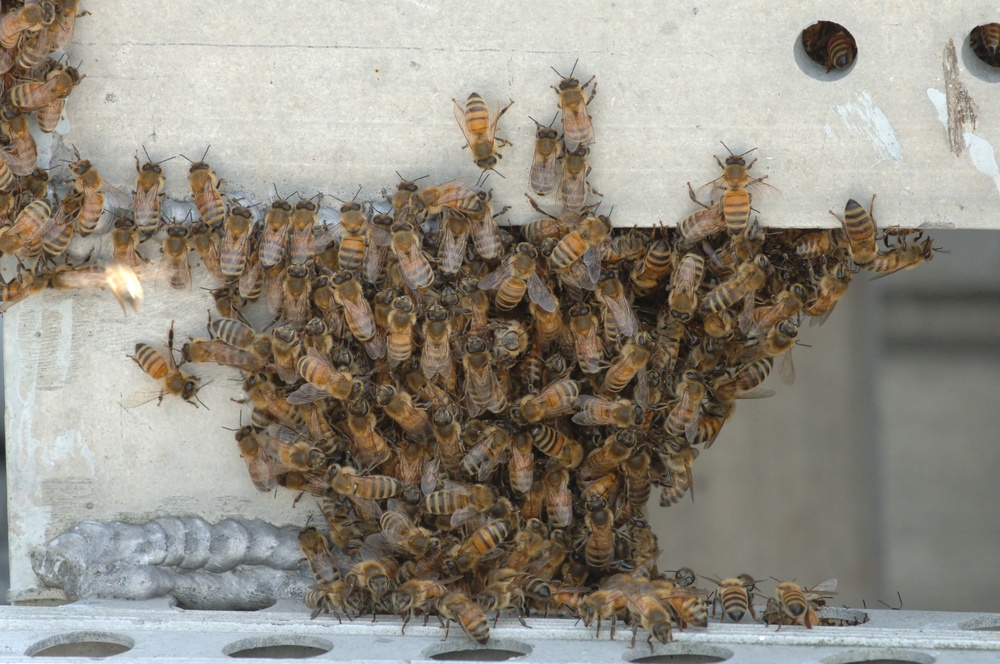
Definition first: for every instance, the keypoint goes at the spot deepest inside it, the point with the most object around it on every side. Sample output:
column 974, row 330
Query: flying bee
column 174, row 269
column 583, row 328
column 552, row 442
column 413, row 265
column 88, row 183
column 654, row 267
column 557, row 398
column 573, row 185
column 462, row 502
column 859, row 226
column 683, row 298
column 735, row 595
column 479, row 125
column 516, row 277
column 204, row 185
column 402, row 320
column 435, row 357
column 459, row 607
column 30, row 18
column 163, row 367
column 348, row 292
column 596, row 411
column 348, row 482
column 545, row 160
column 573, row 101
column 148, row 195
column 482, row 388
column 236, row 243
column 398, row 405
column 323, row 380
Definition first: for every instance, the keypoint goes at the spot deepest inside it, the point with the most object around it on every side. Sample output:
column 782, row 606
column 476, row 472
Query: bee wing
column 497, row 278
column 591, row 259
column 539, row 293
column 823, row 589
column 307, row 393
column 585, row 404
column 359, row 313
column 641, row 392
column 323, row 236
column 575, row 122
column 462, row 516
column 460, row 118
column 141, row 397
column 272, row 244
column 249, row 280
column 623, row 315
column 490, row 465
column 757, row 393
column 430, row 476
column 691, row 430
column 786, row 368
column 453, row 251
column 175, row 274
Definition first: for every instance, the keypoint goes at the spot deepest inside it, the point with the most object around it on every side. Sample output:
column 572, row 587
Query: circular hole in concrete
column 208, row 604
column 498, row 650
column 278, row 647
column 879, row 656
column 981, row 54
column 826, row 50
column 95, row 645
column 679, row 653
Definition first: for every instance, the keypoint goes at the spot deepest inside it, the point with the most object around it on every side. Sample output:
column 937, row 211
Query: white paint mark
column 69, row 448
column 980, row 150
column 867, row 118
column 828, row 130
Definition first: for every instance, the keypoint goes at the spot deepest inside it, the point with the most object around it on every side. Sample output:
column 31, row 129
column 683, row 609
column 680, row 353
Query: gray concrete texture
column 814, row 483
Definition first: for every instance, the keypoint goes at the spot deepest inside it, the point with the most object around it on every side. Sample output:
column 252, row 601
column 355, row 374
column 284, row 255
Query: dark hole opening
column 478, row 655
column 279, row 652
column 831, row 46
column 93, row 649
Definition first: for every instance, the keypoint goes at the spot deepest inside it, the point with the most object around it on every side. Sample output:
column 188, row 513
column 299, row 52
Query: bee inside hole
column 831, row 46
column 985, row 42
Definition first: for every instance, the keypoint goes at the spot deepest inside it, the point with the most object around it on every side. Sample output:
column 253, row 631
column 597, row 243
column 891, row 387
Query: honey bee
column 15, row 290
column 549, row 325
column 323, row 380
column 985, row 42
column 348, row 293
column 840, row 50
column 402, row 536
column 484, row 457
column 400, row 333
column 479, row 125
column 399, row 406
column 577, row 126
column 829, row 44
column 374, row 575
column 206, row 243
column 583, row 244
column 21, row 153
column 787, row 303
column 250, row 283
column 46, row 97
column 599, row 551
column 148, row 195
column 480, row 546
column 859, row 226
column 516, row 277
column 413, row 265
column 637, row 480
column 620, row 318
column 56, row 239
column 296, row 288
column 317, row 554
column 461, row 502
column 681, row 480
column 435, row 357
column 586, row 338
column 369, row 448
column 30, row 18
column 331, row 597
column 24, row 236
column 735, row 182
column 274, row 242
column 236, row 243
column 832, row 286
column 683, row 298
column 174, row 270
column 749, row 277
column 701, row 224
column 482, row 388
column 655, row 266
column 458, row 607
column 605, row 603
column 522, row 463
column 455, row 229
column 544, row 162
column 286, row 347
column 258, row 464
column 163, row 367
column 557, row 398
column 419, row 594
column 566, row 451
column 573, row 186
column 348, row 482
column 631, row 362
column 617, row 449
column 793, row 606
column 217, row 351
column 901, row 257
column 597, row 411
column 735, row 595
column 205, row 188
column 88, row 183
column 648, row 613
column 683, row 417
column 302, row 236
column 686, row 603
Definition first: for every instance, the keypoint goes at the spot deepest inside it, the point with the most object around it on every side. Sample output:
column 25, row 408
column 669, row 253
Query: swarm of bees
column 481, row 411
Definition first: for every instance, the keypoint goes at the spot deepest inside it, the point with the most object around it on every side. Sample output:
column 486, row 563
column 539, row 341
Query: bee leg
column 614, row 622
column 406, row 619
column 635, row 631
column 447, row 628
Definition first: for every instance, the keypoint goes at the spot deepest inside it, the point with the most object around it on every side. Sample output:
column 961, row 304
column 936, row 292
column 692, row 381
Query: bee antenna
column 574, row 66
column 205, row 153
column 357, row 192
column 727, row 149
column 186, row 157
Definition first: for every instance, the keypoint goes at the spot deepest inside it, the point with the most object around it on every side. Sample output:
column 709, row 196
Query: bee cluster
column 481, row 410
